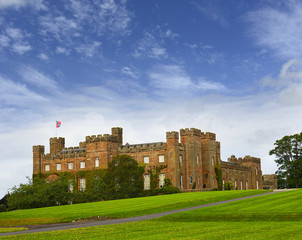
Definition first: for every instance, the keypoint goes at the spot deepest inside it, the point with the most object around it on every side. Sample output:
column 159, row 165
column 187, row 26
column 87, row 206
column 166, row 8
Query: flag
column 58, row 124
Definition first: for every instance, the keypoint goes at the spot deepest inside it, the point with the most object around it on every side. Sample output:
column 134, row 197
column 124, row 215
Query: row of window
column 241, row 185
column 147, row 181
column 70, row 165
column 161, row 159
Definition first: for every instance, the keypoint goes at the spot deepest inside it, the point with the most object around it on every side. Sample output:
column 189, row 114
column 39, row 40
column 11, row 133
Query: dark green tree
column 288, row 153
column 124, row 178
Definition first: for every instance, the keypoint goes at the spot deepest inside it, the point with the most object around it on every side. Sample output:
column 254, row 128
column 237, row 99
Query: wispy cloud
column 88, row 50
column 16, row 94
column 213, row 11
column 175, row 77
column 15, row 40
column 127, row 71
column 62, row 50
column 38, row 4
column 43, row 56
column 38, row 79
column 278, row 29
column 150, row 47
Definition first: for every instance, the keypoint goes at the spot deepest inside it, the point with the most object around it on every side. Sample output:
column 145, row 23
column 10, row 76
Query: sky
column 229, row 67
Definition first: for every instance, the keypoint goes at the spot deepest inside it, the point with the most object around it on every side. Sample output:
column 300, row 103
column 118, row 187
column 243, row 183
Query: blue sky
column 229, row 67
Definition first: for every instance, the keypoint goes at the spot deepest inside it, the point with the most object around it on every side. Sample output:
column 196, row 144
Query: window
column 146, row 160
column 235, row 184
column 241, row 185
column 212, row 161
column 256, row 171
column 161, row 158
column 146, row 182
column 257, row 185
column 197, row 159
column 70, row 165
column 181, row 184
column 222, row 184
column 82, row 184
column 96, row 162
column 161, row 180
column 47, row 168
column 58, row 166
column 70, row 185
column 191, row 180
column 246, row 185
column 180, row 159
column 82, row 164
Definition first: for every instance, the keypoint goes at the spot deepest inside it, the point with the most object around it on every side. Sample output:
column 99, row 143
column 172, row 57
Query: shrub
column 228, row 186
column 2, row 208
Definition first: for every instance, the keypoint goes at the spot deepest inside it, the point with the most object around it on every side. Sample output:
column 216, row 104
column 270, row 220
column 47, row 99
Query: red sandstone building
column 191, row 158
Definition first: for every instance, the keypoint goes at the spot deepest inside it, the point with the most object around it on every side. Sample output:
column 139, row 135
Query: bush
column 2, row 208
column 228, row 186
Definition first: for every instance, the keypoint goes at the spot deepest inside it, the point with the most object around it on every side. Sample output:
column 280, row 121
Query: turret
column 56, row 144
column 118, row 132
column 38, row 155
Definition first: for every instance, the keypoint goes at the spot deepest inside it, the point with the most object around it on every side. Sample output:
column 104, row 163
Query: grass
column 4, row 230
column 117, row 208
column 276, row 216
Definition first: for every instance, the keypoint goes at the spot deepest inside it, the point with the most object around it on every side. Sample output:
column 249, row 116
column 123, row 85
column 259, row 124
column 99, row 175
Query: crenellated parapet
column 208, row 135
column 142, row 147
column 101, row 138
column 39, row 148
column 172, row 135
column 191, row 131
column 234, row 166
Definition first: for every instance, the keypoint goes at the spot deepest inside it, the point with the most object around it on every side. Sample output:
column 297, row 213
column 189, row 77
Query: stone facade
column 270, row 181
column 189, row 156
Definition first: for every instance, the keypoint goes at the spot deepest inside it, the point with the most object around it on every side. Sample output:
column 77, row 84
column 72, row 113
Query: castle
column 191, row 161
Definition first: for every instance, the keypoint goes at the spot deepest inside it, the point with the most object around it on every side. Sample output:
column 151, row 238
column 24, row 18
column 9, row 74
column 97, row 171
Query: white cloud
column 38, row 4
column 38, row 79
column 175, row 77
column 21, row 48
column 60, row 27
column 43, row 56
column 15, row 33
column 4, row 41
column 128, row 72
column 169, row 77
column 62, row 50
column 278, row 29
column 16, row 94
column 171, row 34
column 149, row 46
column 88, row 49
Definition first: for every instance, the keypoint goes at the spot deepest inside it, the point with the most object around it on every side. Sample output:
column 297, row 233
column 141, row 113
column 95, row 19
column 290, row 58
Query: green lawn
column 276, row 216
column 117, row 208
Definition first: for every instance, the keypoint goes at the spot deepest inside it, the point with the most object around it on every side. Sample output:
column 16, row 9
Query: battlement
column 234, row 166
column 38, row 148
column 172, row 135
column 55, row 140
column 191, row 131
column 208, row 135
column 142, row 147
column 246, row 159
column 101, row 138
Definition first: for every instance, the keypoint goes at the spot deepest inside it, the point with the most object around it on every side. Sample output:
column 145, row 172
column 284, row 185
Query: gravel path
column 63, row 226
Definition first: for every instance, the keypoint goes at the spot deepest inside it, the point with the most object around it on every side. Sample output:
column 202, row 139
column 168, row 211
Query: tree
column 288, row 153
column 124, row 178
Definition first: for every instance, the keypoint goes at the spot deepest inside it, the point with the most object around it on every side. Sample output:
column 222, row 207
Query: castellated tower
column 56, row 144
column 193, row 160
column 173, row 158
column 210, row 157
column 38, row 156
column 118, row 132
